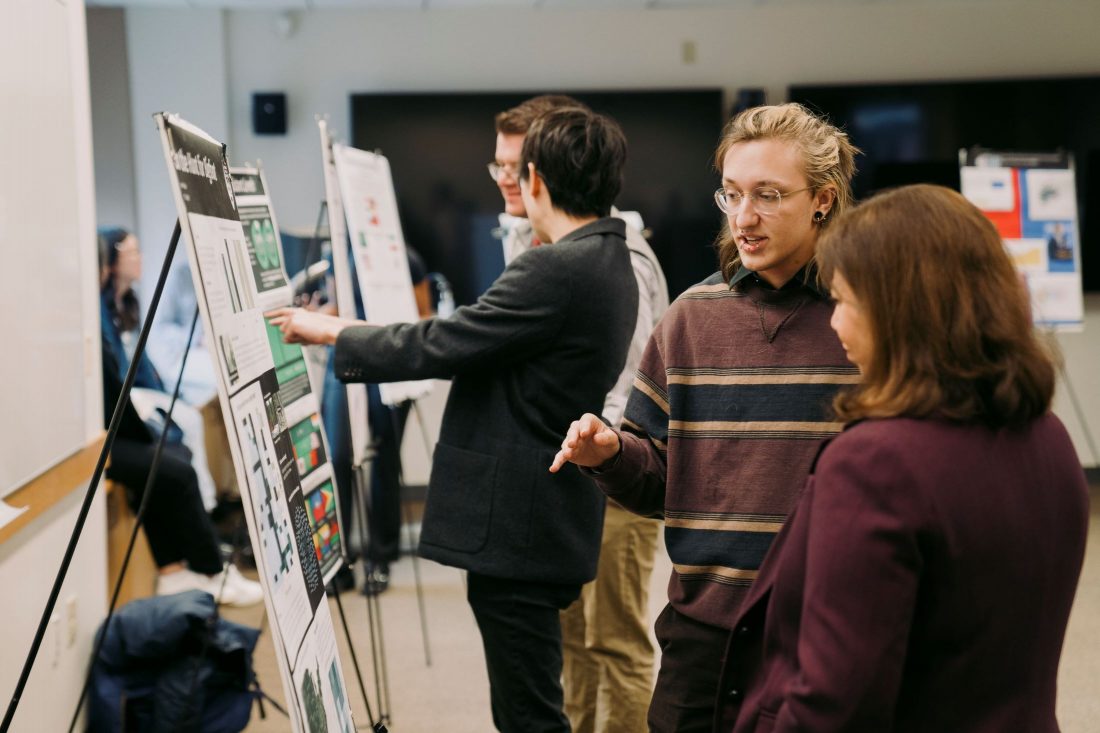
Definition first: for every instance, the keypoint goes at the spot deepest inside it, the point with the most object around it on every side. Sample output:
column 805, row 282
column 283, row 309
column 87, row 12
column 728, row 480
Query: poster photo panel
column 269, row 287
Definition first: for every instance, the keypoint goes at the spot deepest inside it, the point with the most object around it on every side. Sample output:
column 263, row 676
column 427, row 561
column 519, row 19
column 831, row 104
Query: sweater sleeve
column 513, row 320
column 636, row 479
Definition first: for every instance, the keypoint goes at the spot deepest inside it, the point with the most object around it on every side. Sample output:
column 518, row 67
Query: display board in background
column 233, row 284
column 911, row 132
column 378, row 250
column 1030, row 198
column 439, row 143
column 358, row 404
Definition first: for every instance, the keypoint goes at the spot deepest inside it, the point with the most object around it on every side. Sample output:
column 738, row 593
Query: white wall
column 47, row 223
column 112, row 134
column 28, row 566
column 177, row 64
column 52, row 403
column 332, row 53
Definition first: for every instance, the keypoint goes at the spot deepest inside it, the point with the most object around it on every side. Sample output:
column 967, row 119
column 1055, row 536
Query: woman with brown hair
column 925, row 579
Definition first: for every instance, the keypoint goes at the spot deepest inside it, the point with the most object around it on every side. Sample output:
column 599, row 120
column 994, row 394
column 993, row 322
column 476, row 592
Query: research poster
column 1035, row 212
column 268, row 286
column 378, row 247
column 234, row 281
column 345, row 294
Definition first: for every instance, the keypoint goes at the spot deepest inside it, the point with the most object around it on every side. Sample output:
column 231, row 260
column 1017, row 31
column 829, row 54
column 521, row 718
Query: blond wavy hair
column 828, row 160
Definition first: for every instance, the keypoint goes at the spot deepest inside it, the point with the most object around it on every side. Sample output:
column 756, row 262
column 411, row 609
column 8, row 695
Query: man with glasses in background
column 607, row 671
column 732, row 397
column 545, row 342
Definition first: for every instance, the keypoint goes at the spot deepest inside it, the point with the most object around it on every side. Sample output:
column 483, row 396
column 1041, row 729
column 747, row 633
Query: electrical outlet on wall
column 71, row 623
column 55, row 639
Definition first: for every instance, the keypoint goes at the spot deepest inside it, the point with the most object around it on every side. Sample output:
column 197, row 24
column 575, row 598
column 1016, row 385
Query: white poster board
column 299, row 398
column 1031, row 199
column 345, row 295
column 256, row 419
column 378, row 246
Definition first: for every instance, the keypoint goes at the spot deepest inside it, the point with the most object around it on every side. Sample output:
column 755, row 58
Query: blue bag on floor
column 169, row 663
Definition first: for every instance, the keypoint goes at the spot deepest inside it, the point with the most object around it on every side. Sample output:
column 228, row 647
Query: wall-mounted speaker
column 269, row 113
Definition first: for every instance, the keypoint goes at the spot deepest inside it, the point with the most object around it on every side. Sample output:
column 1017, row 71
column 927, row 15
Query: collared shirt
column 807, row 275
column 652, row 301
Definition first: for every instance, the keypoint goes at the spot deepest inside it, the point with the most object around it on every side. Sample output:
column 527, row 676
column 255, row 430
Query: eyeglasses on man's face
column 765, row 199
column 498, row 171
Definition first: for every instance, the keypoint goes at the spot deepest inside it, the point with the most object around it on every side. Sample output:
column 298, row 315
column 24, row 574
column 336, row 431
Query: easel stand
column 414, row 407
column 361, row 500
column 150, row 486
column 93, row 485
column 1079, row 411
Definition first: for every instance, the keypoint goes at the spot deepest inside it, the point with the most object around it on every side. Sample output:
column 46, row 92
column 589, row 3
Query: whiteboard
column 51, row 397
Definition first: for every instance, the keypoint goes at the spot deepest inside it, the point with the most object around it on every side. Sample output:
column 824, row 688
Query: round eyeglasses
column 498, row 171
column 765, row 200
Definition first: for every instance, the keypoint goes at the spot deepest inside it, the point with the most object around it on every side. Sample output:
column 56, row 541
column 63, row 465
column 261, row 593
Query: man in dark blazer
column 545, row 343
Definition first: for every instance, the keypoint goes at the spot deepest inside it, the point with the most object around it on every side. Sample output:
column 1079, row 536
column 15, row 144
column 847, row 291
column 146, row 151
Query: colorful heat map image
column 309, row 449
column 326, row 530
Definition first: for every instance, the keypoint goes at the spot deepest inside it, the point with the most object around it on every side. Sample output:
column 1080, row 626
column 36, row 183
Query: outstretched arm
column 301, row 326
column 588, row 443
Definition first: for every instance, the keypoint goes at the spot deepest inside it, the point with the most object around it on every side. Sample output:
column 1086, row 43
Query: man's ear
column 825, row 199
column 534, row 183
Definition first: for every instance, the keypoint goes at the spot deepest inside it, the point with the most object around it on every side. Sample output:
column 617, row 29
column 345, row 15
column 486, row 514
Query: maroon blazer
column 923, row 583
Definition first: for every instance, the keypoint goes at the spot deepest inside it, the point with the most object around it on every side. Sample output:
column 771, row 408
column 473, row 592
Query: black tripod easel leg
column 1080, row 412
column 374, row 724
column 374, row 608
column 150, row 483
column 93, row 485
column 414, row 407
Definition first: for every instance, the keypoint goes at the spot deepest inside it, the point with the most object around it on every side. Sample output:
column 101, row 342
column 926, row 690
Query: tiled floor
column 451, row 695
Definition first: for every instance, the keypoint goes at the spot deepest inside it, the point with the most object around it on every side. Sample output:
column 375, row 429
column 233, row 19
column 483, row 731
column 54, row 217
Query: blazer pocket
column 460, row 503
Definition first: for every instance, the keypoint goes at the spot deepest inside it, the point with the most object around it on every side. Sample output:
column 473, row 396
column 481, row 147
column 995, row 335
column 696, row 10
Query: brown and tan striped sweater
column 729, row 406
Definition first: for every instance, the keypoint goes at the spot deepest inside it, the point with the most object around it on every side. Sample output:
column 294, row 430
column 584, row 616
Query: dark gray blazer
column 541, row 347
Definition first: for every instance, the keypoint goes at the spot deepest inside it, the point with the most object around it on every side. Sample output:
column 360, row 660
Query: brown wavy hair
column 828, row 159
column 518, row 120
column 950, row 317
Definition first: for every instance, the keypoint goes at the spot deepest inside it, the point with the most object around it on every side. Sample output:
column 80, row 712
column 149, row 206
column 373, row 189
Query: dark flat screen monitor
column 912, row 132
column 439, row 144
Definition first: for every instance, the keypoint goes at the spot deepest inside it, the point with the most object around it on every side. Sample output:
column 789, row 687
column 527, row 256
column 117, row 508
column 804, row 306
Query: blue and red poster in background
column 1035, row 211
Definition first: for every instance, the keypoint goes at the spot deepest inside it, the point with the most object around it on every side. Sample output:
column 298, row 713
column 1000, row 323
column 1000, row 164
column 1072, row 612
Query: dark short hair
column 579, row 155
column 518, row 119
column 949, row 314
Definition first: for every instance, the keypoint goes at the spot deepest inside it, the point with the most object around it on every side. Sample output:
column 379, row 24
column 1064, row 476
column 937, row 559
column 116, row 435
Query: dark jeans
column 176, row 524
column 687, row 684
column 386, row 426
column 521, row 634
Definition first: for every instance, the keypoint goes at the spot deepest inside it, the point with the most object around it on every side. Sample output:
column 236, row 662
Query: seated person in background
column 925, row 579
column 180, row 533
column 120, row 317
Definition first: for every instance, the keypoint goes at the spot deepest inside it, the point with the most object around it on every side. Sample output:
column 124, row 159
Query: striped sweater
column 729, row 406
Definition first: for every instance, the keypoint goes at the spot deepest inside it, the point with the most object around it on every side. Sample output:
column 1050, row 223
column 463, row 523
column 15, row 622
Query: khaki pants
column 607, row 672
